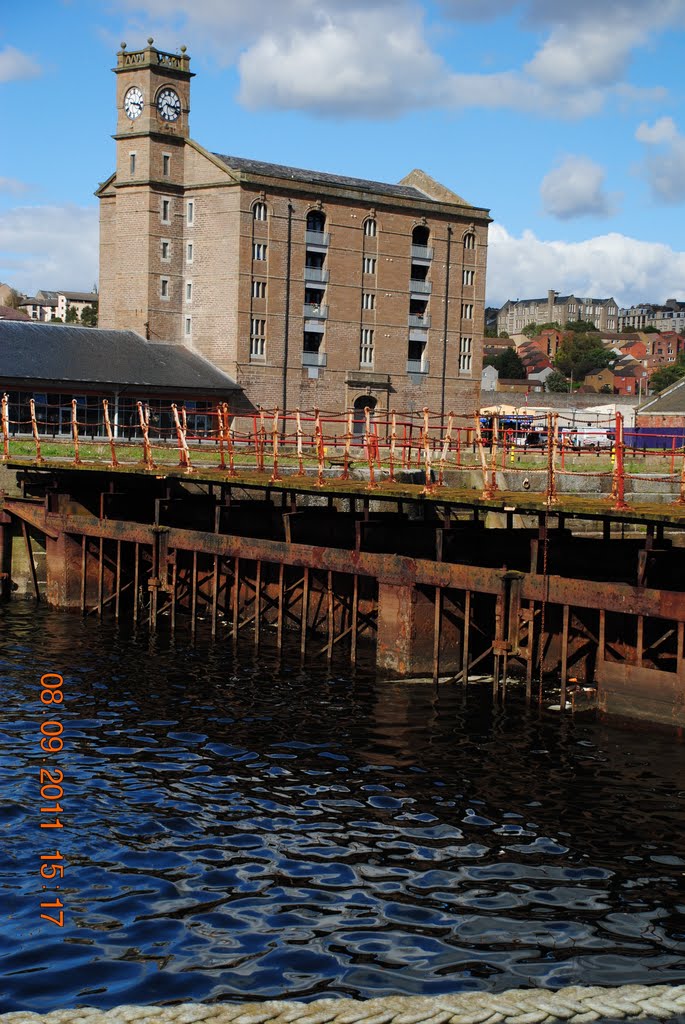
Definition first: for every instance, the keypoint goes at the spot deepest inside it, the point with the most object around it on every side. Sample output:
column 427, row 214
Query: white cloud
column 663, row 130
column 49, row 246
column 338, row 67
column 12, row 186
column 664, row 167
column 576, row 189
column 16, row 65
column 608, row 265
column 371, row 58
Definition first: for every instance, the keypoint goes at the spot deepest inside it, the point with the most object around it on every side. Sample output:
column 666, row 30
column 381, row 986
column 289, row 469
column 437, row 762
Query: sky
column 565, row 118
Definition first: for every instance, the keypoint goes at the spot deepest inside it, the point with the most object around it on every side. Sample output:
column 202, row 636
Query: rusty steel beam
column 392, row 569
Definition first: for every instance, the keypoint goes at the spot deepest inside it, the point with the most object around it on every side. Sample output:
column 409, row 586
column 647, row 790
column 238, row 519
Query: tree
column 579, row 326
column 556, row 382
column 650, row 330
column 667, row 375
column 72, row 315
column 503, row 334
column 508, row 364
column 579, row 354
column 89, row 316
column 14, row 299
column 533, row 330
column 606, row 389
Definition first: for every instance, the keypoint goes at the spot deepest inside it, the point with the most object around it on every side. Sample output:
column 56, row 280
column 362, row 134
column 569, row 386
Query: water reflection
column 239, row 830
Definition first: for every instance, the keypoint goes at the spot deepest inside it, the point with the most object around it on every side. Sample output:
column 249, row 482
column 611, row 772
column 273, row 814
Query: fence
column 331, row 446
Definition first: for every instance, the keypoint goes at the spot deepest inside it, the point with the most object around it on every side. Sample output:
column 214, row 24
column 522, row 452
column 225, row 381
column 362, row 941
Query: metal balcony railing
column 422, row 252
column 419, row 321
column 314, row 311
column 313, row 358
column 418, row 365
column 315, row 274
column 317, row 238
column 420, row 287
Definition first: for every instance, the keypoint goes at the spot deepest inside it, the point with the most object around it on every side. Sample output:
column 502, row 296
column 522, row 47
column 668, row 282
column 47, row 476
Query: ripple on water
column 234, row 830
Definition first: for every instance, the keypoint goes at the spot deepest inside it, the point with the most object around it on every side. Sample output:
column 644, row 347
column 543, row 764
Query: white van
column 589, row 438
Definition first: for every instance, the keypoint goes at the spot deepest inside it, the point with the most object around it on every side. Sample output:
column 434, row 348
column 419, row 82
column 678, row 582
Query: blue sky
column 563, row 118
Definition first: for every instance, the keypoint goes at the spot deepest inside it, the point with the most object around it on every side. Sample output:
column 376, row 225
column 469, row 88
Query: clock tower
column 142, row 204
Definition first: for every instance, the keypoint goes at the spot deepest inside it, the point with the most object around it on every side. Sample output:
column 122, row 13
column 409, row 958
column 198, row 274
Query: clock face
column 168, row 105
column 133, row 103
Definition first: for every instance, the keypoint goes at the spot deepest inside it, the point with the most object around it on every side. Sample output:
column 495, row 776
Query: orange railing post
column 110, row 435
column 229, row 439
column 144, row 418
column 274, row 441
column 298, row 436
column 369, row 443
column 393, row 442
column 447, row 440
column 74, row 432
column 220, row 434
column 348, row 442
column 5, row 428
column 318, row 436
column 181, row 430
column 427, row 459
column 619, row 481
column 489, row 485
column 34, row 428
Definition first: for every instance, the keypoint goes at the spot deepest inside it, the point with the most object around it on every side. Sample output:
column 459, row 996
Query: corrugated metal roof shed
column 62, row 354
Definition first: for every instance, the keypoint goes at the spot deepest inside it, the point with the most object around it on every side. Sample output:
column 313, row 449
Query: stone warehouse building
column 309, row 289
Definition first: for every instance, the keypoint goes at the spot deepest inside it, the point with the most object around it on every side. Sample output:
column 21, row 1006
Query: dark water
column 235, row 830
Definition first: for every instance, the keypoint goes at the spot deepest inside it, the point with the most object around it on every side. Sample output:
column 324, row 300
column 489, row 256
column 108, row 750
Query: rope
column 574, row 1005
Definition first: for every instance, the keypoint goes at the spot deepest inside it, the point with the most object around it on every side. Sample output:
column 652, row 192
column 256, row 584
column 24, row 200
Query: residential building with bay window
column 307, row 288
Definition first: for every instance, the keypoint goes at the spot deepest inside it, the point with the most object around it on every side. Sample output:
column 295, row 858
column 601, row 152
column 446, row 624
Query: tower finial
column 150, row 40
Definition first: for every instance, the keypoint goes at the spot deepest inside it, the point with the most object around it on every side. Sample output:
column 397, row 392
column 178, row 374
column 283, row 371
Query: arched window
column 259, row 211
column 469, row 240
column 370, row 227
column 316, row 221
column 420, row 235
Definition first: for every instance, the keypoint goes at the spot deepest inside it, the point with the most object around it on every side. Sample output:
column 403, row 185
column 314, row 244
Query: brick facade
column 180, row 227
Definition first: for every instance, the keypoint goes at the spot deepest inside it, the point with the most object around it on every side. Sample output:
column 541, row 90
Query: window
column 368, row 300
column 370, row 228
column 467, row 310
column 258, row 251
column 166, row 249
column 468, row 276
column 164, row 287
column 369, row 264
column 470, row 241
column 132, row 163
column 190, row 212
column 366, row 347
column 166, row 211
column 257, row 338
column 189, row 252
column 166, row 165
column 189, row 291
column 465, row 345
column 259, row 211
column 572, row 307
column 188, row 326
column 259, row 289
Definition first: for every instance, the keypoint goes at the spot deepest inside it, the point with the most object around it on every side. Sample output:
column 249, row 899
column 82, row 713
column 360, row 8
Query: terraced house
column 307, row 288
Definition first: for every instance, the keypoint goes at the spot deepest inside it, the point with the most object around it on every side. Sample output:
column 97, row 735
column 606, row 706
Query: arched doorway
column 359, row 415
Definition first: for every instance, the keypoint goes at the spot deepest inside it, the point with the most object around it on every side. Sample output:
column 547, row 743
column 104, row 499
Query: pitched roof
column 401, row 191
column 81, row 296
column 671, row 400
column 8, row 313
column 60, row 353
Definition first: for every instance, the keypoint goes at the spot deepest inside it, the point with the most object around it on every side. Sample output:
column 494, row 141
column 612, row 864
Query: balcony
column 419, row 320
column 313, row 358
column 418, row 334
column 316, row 274
column 314, row 311
column 317, row 239
column 314, row 326
column 418, row 365
column 421, row 253
column 420, row 287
